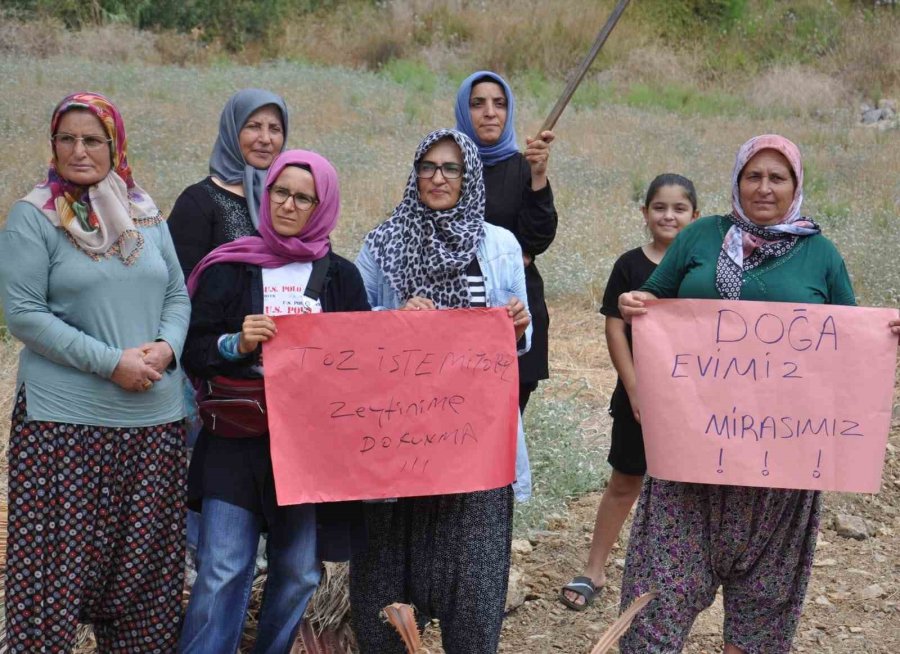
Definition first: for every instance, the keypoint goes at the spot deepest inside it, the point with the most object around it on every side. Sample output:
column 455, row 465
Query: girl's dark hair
column 672, row 179
column 302, row 166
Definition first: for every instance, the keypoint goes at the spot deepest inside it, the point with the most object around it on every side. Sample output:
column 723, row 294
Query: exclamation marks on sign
column 720, row 469
column 817, row 473
column 765, row 470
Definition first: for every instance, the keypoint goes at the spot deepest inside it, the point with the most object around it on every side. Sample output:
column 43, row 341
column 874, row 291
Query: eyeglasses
column 68, row 141
column 427, row 170
column 280, row 195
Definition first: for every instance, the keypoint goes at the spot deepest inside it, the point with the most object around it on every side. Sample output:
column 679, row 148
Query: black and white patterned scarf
column 425, row 252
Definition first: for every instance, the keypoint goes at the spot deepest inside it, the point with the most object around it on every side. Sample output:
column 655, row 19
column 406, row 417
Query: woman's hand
column 631, row 304
column 895, row 327
column 417, row 303
column 537, row 153
column 158, row 355
column 133, row 373
column 255, row 330
column 516, row 310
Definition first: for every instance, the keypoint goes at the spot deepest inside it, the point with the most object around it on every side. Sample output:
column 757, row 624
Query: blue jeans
column 226, row 564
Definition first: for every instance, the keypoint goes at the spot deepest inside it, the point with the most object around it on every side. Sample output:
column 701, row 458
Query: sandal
column 583, row 587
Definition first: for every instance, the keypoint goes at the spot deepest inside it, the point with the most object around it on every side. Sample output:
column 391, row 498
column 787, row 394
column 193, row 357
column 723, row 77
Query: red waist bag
column 233, row 408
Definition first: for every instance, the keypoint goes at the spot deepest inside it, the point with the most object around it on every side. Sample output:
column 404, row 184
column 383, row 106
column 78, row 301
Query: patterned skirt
column 96, row 534
column 448, row 555
column 687, row 540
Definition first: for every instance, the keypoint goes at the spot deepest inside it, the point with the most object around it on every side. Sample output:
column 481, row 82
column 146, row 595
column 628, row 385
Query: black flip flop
column 583, row 587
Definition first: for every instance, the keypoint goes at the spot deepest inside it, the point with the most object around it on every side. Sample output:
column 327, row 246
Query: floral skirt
column 96, row 534
column 689, row 539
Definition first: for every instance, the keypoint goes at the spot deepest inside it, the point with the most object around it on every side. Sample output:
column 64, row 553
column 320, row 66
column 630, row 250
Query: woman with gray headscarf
column 224, row 206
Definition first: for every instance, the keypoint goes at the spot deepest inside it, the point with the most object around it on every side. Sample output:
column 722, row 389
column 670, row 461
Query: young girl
column 671, row 204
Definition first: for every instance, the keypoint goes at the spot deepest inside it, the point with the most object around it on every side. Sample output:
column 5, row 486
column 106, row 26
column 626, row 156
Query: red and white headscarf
column 101, row 219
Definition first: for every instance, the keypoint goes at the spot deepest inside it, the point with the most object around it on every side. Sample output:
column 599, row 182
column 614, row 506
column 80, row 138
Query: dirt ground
column 844, row 613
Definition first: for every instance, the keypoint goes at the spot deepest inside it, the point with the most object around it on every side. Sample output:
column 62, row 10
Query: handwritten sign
column 391, row 404
column 765, row 393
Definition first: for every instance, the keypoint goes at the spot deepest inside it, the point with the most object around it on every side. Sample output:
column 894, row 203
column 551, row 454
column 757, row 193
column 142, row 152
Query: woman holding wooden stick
column 518, row 197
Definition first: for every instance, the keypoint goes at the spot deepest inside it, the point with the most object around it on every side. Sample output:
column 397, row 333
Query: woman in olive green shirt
column 757, row 543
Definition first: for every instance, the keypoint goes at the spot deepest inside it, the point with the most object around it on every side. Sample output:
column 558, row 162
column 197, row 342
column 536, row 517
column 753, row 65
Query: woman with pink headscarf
column 235, row 290
column 757, row 543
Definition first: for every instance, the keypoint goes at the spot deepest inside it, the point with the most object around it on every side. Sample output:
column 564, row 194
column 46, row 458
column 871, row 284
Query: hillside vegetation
column 687, row 45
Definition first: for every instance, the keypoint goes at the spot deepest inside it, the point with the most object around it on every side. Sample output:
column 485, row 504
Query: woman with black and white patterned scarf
column 446, row 554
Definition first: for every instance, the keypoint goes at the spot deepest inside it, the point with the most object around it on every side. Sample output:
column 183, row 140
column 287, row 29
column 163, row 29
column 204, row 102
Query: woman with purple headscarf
column 756, row 543
column 235, row 291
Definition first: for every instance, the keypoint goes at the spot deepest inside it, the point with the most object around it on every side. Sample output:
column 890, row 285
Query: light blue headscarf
column 226, row 162
column 505, row 147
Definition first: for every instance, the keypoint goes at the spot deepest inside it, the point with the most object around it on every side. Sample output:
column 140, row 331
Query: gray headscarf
column 226, row 162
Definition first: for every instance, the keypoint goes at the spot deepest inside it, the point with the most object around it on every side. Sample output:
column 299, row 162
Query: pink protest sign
column 765, row 393
column 391, row 404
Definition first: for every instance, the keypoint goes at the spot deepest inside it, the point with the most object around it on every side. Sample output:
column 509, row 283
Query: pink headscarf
column 747, row 244
column 753, row 147
column 270, row 249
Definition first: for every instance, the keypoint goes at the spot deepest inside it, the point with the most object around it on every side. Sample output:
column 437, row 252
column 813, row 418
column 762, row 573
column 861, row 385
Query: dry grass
column 799, row 91
column 47, row 37
column 455, row 34
column 868, row 56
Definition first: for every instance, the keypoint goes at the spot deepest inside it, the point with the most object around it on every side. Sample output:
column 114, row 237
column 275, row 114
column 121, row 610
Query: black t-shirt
column 629, row 273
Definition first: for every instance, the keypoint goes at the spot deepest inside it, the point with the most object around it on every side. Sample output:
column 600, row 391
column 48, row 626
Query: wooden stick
column 579, row 74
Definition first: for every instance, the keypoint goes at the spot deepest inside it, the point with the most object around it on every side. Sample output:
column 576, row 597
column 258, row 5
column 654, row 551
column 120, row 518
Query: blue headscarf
column 505, row 147
column 226, row 162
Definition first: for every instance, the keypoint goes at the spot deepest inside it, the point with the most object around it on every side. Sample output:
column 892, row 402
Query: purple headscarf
column 270, row 249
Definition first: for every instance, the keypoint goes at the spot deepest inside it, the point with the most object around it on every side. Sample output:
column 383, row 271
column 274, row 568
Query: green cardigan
column 76, row 315
column 813, row 272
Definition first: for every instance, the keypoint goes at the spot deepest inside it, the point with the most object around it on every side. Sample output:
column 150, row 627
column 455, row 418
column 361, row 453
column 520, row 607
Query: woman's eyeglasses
column 280, row 195
column 68, row 141
column 427, row 170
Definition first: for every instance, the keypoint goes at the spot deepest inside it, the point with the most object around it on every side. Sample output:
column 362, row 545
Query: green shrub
column 564, row 464
column 412, row 75
column 675, row 21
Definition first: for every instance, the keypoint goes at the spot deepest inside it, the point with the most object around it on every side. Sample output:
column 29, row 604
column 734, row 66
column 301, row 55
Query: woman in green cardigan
column 757, row 543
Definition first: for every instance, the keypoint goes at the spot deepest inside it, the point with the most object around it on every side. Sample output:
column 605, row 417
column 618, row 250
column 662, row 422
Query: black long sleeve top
column 239, row 470
column 531, row 217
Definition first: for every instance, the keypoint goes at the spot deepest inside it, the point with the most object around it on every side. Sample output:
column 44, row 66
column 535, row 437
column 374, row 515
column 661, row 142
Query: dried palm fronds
column 403, row 619
column 329, row 608
column 615, row 631
column 326, row 625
